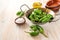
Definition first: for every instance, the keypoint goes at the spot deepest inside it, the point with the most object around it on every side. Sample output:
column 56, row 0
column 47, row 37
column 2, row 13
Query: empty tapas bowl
column 55, row 9
column 53, row 5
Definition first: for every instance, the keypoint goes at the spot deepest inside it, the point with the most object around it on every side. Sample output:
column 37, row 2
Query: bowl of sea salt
column 20, row 21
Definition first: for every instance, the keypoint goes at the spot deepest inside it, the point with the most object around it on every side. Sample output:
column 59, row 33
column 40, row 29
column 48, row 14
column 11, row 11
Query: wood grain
column 10, row 31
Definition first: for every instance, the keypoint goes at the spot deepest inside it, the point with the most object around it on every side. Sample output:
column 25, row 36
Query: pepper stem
column 45, row 35
column 26, row 32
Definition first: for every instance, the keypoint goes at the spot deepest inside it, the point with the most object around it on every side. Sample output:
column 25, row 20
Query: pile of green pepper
column 35, row 30
column 40, row 16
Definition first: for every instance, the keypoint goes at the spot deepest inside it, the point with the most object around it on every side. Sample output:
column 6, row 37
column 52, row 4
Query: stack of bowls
column 53, row 5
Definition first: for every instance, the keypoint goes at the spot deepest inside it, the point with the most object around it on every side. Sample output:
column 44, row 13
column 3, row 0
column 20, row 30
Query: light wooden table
column 10, row 31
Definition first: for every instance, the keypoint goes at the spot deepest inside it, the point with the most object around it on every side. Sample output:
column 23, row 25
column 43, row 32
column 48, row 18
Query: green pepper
column 31, row 17
column 37, row 27
column 49, row 16
column 44, row 14
column 40, row 20
column 38, row 16
column 35, row 30
column 41, row 30
column 35, row 17
column 33, row 27
column 34, row 33
column 20, row 13
column 47, row 19
column 38, row 11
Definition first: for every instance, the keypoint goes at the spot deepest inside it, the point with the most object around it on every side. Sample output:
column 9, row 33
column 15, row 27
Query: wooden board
column 10, row 31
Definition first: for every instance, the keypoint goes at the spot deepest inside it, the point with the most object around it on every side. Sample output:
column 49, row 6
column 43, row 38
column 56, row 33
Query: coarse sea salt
column 20, row 20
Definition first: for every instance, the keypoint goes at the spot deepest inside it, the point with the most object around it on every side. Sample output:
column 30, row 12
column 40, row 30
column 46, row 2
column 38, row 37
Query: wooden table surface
column 10, row 31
